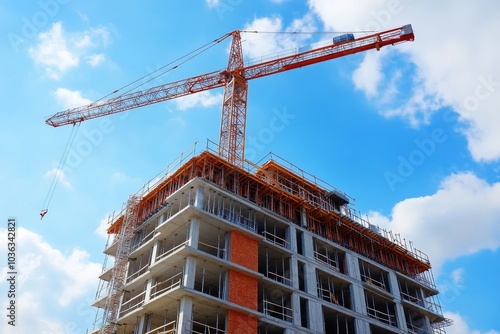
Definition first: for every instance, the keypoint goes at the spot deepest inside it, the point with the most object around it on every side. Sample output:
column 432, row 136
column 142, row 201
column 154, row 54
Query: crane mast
column 234, row 80
column 234, row 107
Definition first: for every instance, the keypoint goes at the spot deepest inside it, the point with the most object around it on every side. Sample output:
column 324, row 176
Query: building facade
column 213, row 248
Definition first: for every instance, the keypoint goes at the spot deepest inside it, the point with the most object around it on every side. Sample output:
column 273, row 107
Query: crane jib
column 233, row 118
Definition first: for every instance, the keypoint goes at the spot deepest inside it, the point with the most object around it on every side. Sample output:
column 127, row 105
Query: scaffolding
column 276, row 185
column 286, row 190
column 125, row 235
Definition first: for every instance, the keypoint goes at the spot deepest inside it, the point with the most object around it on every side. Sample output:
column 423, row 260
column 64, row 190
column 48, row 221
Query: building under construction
column 210, row 247
column 218, row 244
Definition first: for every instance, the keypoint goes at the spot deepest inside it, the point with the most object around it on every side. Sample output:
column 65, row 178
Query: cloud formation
column 51, row 283
column 461, row 218
column 70, row 99
column 454, row 66
column 58, row 51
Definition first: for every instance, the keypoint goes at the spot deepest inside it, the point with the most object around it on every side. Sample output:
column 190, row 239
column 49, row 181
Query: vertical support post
column 189, row 272
column 394, row 288
column 141, row 324
column 303, row 217
column 194, row 233
column 184, row 324
column 199, row 197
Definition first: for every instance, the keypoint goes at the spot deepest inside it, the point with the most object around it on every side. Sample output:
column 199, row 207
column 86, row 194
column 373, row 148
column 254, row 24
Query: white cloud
column 460, row 325
column 70, row 99
column 53, row 53
column 455, row 65
column 461, row 218
column 368, row 74
column 59, row 176
column 203, row 99
column 457, row 276
column 102, row 229
column 212, row 3
column 267, row 43
column 50, row 285
column 95, row 59
column 58, row 51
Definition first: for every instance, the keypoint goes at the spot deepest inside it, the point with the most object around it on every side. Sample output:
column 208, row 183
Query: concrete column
column 361, row 326
column 310, row 279
column 194, row 233
column 308, row 245
column 149, row 284
column 393, row 285
column 357, row 290
column 303, row 217
column 358, row 298
column 359, row 305
column 161, row 219
column 352, row 264
column 154, row 253
column 296, row 309
column 294, row 271
column 315, row 315
column 199, row 197
column 189, row 272
column 184, row 324
column 140, row 328
column 394, row 288
column 292, row 238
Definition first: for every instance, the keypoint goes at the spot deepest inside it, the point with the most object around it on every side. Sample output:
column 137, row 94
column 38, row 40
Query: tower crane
column 234, row 80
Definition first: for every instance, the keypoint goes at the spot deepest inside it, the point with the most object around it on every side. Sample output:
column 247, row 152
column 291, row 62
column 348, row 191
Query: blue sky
column 411, row 132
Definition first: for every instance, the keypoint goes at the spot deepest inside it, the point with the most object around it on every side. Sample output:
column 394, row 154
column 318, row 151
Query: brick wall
column 243, row 289
column 244, row 251
column 239, row 323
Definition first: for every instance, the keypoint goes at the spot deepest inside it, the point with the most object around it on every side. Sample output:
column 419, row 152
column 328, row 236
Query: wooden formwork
column 288, row 194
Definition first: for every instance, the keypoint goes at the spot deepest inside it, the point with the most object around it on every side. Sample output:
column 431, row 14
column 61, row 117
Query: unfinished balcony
column 171, row 242
column 275, row 265
column 380, row 308
column 214, row 240
column 336, row 322
column 374, row 278
column 416, row 323
column 138, row 266
column 329, row 256
column 266, row 328
column 225, row 207
column 161, row 322
column 211, row 279
column 167, row 281
column 275, row 302
column 273, row 231
column 132, row 300
column 333, row 290
column 411, row 292
column 208, row 325
column 420, row 299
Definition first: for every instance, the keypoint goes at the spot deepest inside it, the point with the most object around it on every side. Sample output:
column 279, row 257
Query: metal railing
column 167, row 284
